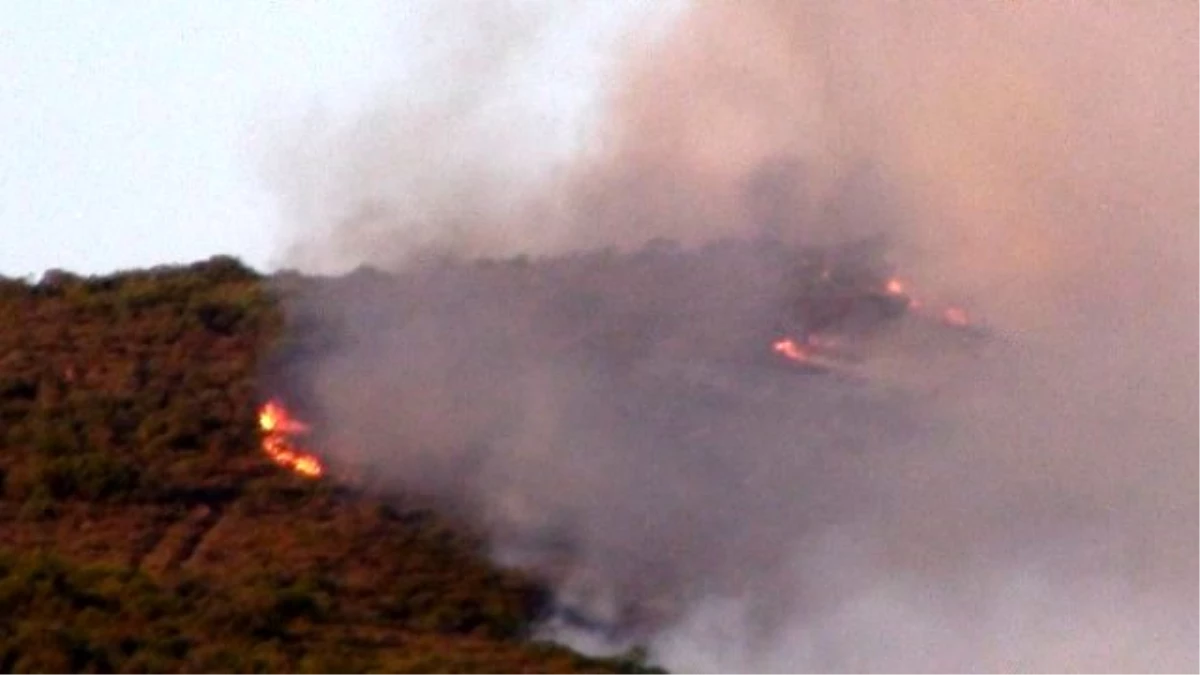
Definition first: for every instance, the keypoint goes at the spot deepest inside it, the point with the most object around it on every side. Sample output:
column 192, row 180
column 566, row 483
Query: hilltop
column 142, row 529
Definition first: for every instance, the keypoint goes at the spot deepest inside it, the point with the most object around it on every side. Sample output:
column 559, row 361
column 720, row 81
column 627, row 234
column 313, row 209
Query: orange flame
column 278, row 427
column 791, row 349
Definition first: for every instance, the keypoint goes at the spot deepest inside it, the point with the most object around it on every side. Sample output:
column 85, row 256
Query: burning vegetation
column 279, row 429
column 820, row 341
column 456, row 364
column 156, row 542
column 790, row 349
column 951, row 315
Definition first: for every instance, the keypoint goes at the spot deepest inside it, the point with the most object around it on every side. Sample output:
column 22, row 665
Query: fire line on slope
column 811, row 349
column 278, row 428
column 951, row 315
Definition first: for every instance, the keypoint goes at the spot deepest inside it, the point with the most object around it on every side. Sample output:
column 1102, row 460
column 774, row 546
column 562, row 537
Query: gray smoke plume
column 1021, row 497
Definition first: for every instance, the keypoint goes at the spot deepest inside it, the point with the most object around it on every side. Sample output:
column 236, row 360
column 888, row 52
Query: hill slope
column 142, row 530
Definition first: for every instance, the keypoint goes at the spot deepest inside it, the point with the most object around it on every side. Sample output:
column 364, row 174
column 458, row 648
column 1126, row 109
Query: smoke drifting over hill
column 1025, row 503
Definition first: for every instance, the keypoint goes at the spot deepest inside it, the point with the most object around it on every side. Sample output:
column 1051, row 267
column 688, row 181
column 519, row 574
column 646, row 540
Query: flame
column 791, row 349
column 898, row 288
column 277, row 427
column 951, row 315
column 814, row 347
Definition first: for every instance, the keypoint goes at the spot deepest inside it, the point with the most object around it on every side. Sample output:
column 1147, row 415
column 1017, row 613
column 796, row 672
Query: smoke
column 1027, row 504
column 490, row 101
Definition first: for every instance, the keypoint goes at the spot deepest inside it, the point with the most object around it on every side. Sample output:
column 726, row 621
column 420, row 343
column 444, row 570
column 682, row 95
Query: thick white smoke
column 1033, row 507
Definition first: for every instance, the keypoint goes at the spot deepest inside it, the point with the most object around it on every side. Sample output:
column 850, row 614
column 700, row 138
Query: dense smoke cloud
column 1027, row 503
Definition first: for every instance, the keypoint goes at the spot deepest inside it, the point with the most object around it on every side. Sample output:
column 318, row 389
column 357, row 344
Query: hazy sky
column 134, row 133
column 128, row 128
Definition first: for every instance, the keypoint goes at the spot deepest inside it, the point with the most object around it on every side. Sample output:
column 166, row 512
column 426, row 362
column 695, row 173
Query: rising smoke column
column 1044, row 176
column 1034, row 505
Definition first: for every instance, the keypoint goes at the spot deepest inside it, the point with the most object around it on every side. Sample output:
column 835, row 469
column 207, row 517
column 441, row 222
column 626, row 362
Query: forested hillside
column 142, row 529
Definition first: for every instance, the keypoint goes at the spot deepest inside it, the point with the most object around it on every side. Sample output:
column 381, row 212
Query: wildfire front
column 278, row 428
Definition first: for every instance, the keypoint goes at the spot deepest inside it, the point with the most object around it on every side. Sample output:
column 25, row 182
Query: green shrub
column 93, row 476
column 127, row 401
column 39, row 505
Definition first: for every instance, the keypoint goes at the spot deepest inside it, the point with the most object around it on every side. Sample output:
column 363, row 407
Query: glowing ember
column 897, row 288
column 951, row 315
column 791, row 349
column 278, row 427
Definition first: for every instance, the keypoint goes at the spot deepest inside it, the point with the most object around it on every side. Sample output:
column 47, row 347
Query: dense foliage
column 141, row 529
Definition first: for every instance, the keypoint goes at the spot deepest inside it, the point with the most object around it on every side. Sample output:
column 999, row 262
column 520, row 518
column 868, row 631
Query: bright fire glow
column 791, row 349
column 278, row 427
column 951, row 315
